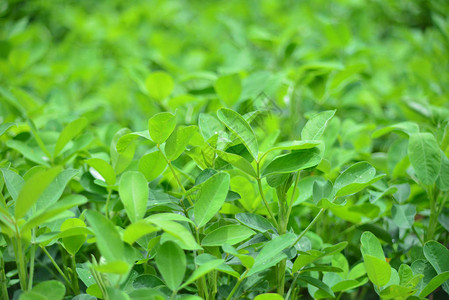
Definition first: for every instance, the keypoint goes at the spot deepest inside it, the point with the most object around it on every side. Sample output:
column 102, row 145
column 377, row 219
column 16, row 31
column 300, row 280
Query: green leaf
column 209, row 125
column 134, row 192
column 108, row 239
column 271, row 253
column 104, row 169
column 48, row 290
column 315, row 126
column 295, row 161
column 238, row 162
column 34, row 154
column 178, row 141
column 237, row 125
column 318, row 284
column 203, row 270
column 73, row 243
column 152, row 165
column 425, row 157
column 346, row 285
column 256, row 222
column 179, row 232
column 159, row 85
column 5, row 126
column 407, row 128
column 229, row 88
column 68, row 133
column 169, row 217
column 171, row 262
column 438, row 256
column 355, row 178
column 403, row 215
column 396, row 292
column 57, row 208
column 370, row 245
column 304, row 259
column 269, row 296
column 14, row 182
column 378, row 270
column 32, row 189
column 205, row 258
column 137, row 230
column 114, row 267
column 160, row 126
column 230, row 234
column 443, row 178
column 434, row 284
column 211, row 197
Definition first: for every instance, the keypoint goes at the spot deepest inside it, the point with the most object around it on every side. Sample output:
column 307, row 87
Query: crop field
column 228, row 149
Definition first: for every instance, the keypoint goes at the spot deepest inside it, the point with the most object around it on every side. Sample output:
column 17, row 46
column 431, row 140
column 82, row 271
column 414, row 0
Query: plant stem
column 3, row 280
column 175, row 175
column 310, row 225
column 236, row 286
column 290, row 204
column 281, row 277
column 106, row 207
column 20, row 261
column 32, row 254
column 265, row 202
column 57, row 267
column 291, row 286
column 75, row 284
column 433, row 215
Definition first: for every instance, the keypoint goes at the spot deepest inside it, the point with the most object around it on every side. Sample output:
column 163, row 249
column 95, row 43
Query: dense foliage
column 224, row 149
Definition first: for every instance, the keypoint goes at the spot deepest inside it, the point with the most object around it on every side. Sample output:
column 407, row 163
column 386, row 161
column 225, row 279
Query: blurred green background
column 375, row 61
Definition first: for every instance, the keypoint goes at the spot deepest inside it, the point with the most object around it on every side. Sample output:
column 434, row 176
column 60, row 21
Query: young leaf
column 378, row 270
column 47, row 290
column 159, row 85
column 370, row 245
column 269, row 296
column 355, row 178
column 211, row 197
column 152, row 165
column 171, row 262
column 228, row 88
column 73, row 243
column 295, row 161
column 255, row 222
column 57, row 208
column 271, row 253
column 434, row 284
column 104, row 169
column 33, row 189
column 403, row 215
column 160, row 126
column 443, row 178
column 178, row 141
column 230, row 234
column 425, row 157
column 14, row 182
column 179, row 232
column 108, row 239
column 318, row 284
column 407, row 128
column 134, row 192
column 316, row 125
column 137, row 230
column 209, row 125
column 438, row 256
column 238, row 162
column 203, row 270
column 237, row 125
column 68, row 133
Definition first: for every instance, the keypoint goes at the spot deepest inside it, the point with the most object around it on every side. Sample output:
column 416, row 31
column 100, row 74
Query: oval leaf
column 134, row 192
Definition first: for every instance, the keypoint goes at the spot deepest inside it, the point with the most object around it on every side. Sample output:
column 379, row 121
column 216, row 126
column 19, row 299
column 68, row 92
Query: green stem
column 175, row 175
column 236, row 286
column 310, row 225
column 281, row 277
column 32, row 255
column 57, row 267
column 290, row 204
column 417, row 235
column 173, row 295
column 20, row 261
column 108, row 199
column 433, row 215
column 265, row 202
column 3, row 280
column 75, row 285
column 292, row 286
